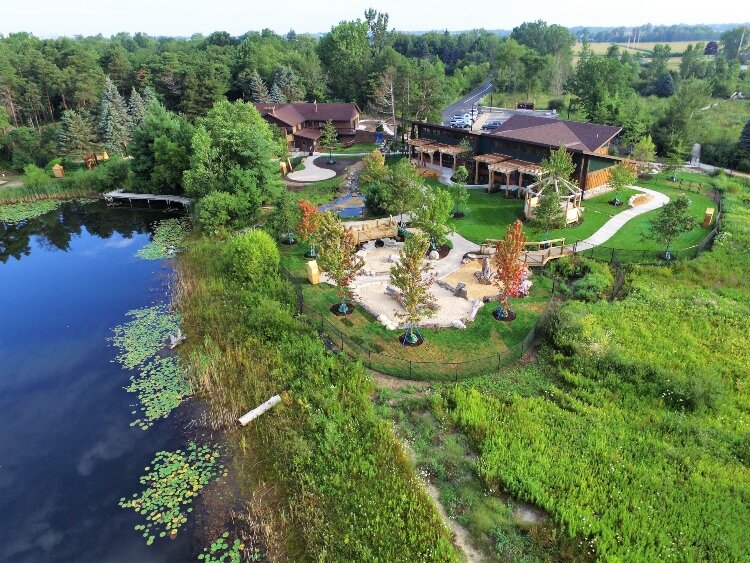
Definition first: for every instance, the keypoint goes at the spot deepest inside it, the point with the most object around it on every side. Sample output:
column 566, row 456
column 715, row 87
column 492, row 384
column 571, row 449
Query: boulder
column 393, row 258
column 434, row 255
column 392, row 291
column 390, row 242
column 461, row 291
column 458, row 324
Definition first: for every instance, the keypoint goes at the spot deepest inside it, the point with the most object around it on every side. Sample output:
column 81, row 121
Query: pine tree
column 76, row 137
column 664, row 87
column 136, row 109
column 287, row 80
column 745, row 137
column 258, row 89
column 114, row 123
column 276, row 96
column 149, row 96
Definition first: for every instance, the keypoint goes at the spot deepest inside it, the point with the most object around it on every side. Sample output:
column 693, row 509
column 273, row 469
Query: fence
column 405, row 368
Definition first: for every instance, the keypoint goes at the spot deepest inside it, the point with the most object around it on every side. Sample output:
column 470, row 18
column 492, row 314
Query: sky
column 52, row 18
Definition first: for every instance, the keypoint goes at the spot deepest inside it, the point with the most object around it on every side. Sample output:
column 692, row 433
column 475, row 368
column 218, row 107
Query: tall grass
column 347, row 491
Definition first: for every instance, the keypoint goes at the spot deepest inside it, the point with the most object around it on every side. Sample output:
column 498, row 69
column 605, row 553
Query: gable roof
column 286, row 113
column 552, row 132
column 299, row 112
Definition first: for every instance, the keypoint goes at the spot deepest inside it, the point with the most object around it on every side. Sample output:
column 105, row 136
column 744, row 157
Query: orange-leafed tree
column 308, row 226
column 510, row 269
column 337, row 256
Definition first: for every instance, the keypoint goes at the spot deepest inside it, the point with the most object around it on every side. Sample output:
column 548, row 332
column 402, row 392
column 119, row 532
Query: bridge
column 121, row 195
column 536, row 253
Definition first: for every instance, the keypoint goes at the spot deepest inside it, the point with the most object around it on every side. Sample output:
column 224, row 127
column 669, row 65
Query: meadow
column 632, row 429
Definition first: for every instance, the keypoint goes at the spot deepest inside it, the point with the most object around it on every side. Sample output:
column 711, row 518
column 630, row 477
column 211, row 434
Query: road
column 463, row 105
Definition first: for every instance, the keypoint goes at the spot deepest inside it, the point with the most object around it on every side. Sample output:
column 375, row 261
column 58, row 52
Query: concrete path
column 311, row 173
column 608, row 230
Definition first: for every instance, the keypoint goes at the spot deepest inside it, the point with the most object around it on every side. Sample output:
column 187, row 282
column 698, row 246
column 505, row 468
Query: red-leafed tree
column 337, row 256
column 510, row 269
column 308, row 226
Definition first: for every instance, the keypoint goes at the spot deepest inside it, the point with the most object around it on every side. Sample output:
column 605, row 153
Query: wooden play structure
column 93, row 159
column 58, row 171
column 374, row 229
column 570, row 195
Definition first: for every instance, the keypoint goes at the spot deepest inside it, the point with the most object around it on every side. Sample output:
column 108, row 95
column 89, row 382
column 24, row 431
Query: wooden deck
column 131, row 197
column 534, row 254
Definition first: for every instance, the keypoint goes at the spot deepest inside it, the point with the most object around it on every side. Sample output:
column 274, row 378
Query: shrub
column 252, row 258
column 110, row 175
column 34, row 177
column 221, row 210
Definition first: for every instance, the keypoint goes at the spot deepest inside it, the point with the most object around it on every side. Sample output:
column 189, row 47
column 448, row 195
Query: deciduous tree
column 410, row 276
column 621, row 175
column 672, row 220
column 308, row 226
column 433, row 214
column 337, row 256
column 460, row 192
column 329, row 139
column 510, row 268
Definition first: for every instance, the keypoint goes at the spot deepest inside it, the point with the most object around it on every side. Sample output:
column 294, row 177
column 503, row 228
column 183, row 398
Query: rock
column 361, row 253
column 434, row 255
column 392, row 291
column 461, row 291
column 392, row 326
column 475, row 306
column 458, row 324
column 466, row 260
column 393, row 258
column 390, row 243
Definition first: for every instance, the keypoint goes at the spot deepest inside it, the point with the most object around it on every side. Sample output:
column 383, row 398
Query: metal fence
column 405, row 368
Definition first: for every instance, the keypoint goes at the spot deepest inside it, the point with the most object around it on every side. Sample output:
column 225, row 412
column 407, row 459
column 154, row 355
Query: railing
column 406, row 368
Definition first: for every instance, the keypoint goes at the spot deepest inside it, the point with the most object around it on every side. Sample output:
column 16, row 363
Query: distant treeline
column 653, row 33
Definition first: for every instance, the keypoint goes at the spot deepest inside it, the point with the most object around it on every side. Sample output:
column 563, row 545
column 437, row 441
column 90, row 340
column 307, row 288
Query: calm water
column 67, row 450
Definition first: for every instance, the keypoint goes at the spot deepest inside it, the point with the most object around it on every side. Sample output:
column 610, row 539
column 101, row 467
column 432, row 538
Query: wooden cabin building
column 512, row 153
column 302, row 121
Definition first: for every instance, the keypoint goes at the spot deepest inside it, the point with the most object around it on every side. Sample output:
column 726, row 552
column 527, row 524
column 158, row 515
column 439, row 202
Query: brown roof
column 555, row 132
column 299, row 112
column 308, row 133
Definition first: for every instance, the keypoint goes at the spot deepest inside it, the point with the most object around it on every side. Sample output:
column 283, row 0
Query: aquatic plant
column 142, row 338
column 221, row 551
column 160, row 384
column 160, row 387
column 166, row 240
column 172, row 481
column 18, row 212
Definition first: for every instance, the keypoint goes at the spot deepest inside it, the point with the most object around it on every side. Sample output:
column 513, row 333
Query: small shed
column 58, row 171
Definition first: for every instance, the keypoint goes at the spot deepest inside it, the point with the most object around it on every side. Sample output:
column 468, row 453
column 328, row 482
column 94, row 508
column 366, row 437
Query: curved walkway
column 311, row 173
column 608, row 230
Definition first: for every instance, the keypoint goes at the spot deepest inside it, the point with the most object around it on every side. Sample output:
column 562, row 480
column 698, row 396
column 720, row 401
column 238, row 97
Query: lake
column 67, row 450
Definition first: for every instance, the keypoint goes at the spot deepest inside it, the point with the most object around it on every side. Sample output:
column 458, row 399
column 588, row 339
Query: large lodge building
column 512, row 153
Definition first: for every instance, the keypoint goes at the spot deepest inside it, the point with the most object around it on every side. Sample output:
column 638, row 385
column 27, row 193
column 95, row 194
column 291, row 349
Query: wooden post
column 476, row 172
column 441, row 161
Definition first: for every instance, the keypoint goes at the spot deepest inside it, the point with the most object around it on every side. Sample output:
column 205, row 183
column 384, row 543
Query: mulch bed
column 335, row 309
column 459, row 215
column 645, row 176
column 287, row 242
column 339, row 166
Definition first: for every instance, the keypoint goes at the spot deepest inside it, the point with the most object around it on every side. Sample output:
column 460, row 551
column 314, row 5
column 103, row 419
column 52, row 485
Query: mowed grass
column 319, row 193
column 447, row 351
column 355, row 149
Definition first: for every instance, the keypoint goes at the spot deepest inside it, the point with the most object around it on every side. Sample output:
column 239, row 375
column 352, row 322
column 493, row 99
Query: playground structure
column 374, row 229
column 570, row 198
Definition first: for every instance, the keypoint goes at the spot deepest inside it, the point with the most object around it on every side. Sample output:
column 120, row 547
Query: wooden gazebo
column 427, row 147
column 488, row 159
column 570, row 194
column 511, row 166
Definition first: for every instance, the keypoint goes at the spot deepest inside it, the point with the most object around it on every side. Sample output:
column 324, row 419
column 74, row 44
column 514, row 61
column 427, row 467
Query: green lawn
column 481, row 345
column 359, row 148
column 488, row 215
column 319, row 193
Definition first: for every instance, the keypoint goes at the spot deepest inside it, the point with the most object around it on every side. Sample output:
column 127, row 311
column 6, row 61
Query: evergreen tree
column 549, row 214
column 664, row 87
column 136, row 108
column 258, row 89
column 114, row 123
column 276, row 96
column 744, row 143
column 76, row 137
column 149, row 96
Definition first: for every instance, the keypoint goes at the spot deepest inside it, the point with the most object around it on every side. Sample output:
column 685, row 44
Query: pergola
column 509, row 166
column 428, row 147
column 570, row 194
column 488, row 159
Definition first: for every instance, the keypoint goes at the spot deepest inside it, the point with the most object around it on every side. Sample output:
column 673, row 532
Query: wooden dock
column 131, row 197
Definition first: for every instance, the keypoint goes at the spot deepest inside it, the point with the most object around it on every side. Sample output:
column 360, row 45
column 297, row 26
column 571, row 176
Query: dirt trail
column 461, row 536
